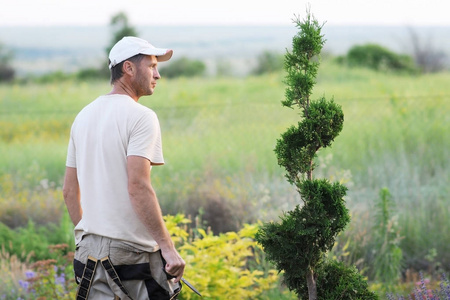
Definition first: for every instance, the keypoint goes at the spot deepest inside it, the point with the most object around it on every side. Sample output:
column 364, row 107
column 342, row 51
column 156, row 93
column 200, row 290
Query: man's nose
column 156, row 74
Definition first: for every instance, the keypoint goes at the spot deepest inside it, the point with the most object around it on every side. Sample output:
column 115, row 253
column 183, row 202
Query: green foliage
column 378, row 58
column 183, row 67
column 31, row 242
column 52, row 77
column 6, row 235
column 325, row 211
column 6, row 71
column 300, row 64
column 338, row 281
column 388, row 254
column 93, row 74
column 268, row 62
column 299, row 241
column 322, row 122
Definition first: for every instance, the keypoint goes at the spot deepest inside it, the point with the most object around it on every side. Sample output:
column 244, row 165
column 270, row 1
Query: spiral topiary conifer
column 297, row 245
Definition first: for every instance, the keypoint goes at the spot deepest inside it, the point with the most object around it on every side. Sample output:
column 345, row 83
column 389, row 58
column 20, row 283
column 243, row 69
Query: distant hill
column 44, row 49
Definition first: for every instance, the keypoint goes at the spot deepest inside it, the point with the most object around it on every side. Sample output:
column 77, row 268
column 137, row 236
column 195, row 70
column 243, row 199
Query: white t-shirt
column 103, row 134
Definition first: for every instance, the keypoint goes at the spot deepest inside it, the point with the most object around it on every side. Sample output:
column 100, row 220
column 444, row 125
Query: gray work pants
column 141, row 275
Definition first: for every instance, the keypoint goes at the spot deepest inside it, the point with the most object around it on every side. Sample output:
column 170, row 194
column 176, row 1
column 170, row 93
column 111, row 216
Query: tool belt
column 116, row 273
column 88, row 275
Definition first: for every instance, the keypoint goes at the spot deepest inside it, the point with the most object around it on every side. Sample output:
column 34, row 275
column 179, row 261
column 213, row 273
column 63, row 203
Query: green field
column 218, row 138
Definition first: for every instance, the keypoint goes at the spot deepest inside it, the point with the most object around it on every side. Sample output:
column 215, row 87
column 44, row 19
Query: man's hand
column 174, row 264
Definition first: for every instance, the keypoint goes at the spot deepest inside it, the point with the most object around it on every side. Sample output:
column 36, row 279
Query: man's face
column 146, row 76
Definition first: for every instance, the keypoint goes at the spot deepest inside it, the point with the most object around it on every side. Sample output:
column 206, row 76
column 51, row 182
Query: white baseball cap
column 130, row 46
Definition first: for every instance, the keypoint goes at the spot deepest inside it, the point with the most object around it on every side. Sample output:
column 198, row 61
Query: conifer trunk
column 312, row 287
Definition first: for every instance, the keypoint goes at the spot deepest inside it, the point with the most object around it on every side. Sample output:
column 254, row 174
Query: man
column 124, row 250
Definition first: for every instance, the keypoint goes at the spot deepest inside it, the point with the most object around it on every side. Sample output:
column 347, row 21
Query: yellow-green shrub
column 218, row 266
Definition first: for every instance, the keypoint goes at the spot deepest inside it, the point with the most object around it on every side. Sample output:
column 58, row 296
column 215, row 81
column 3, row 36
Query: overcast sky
column 223, row 12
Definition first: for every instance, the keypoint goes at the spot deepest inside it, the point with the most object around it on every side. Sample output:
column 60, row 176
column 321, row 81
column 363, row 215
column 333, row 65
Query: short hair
column 116, row 71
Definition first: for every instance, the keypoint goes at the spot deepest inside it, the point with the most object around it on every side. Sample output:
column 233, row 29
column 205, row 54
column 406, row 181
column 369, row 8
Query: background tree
column 268, row 62
column 183, row 67
column 6, row 71
column 120, row 28
column 426, row 55
column 297, row 245
column 379, row 58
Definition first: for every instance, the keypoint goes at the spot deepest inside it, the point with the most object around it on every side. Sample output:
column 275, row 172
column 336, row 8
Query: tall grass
column 219, row 135
column 395, row 137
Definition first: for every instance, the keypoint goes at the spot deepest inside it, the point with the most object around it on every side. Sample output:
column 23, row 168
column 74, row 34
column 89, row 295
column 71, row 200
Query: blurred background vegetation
column 219, row 132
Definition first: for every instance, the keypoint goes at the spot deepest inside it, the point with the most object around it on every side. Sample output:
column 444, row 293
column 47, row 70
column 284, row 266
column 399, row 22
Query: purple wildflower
column 30, row 274
column 424, row 287
column 24, row 284
column 447, row 289
column 417, row 293
column 61, row 279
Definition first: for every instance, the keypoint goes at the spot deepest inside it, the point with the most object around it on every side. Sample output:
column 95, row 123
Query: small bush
column 32, row 241
column 378, row 58
column 220, row 205
column 93, row 73
column 335, row 280
column 183, row 67
column 7, row 73
column 56, row 76
column 428, row 58
column 268, row 62
column 218, row 265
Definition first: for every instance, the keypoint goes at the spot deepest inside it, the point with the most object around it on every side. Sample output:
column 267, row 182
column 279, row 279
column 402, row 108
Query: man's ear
column 128, row 67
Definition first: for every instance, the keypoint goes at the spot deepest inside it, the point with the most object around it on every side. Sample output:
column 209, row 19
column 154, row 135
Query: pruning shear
column 187, row 283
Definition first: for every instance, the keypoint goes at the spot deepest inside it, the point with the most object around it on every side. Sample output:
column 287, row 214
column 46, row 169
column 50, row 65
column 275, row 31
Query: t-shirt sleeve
column 71, row 160
column 145, row 139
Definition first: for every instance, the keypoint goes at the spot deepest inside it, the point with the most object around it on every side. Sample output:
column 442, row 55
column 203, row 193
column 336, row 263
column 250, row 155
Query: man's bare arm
column 71, row 193
column 145, row 203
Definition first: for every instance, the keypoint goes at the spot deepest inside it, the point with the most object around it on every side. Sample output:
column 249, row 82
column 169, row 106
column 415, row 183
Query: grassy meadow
column 218, row 138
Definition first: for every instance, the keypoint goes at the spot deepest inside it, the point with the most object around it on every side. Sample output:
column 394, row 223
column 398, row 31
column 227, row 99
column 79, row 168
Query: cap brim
column 166, row 56
column 161, row 54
